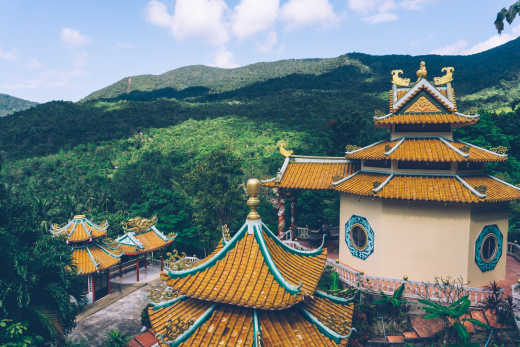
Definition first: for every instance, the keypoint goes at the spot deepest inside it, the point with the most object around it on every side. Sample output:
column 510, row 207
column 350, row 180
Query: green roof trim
column 325, row 330
column 169, row 302
column 188, row 332
column 108, row 252
column 314, row 252
column 335, row 299
column 270, row 263
column 257, row 336
column 227, row 247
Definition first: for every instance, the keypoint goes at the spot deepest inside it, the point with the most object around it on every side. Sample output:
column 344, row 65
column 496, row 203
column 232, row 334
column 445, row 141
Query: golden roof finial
column 422, row 72
column 398, row 80
column 448, row 77
column 286, row 153
column 253, row 187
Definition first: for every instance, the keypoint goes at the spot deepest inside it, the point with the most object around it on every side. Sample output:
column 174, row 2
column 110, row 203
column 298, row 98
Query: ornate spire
column 253, row 187
column 422, row 72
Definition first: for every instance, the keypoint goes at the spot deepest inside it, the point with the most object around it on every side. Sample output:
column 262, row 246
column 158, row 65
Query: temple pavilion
column 252, row 290
column 418, row 203
column 92, row 256
column 141, row 238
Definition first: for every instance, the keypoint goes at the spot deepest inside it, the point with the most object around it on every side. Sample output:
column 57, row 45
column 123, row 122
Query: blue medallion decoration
column 488, row 265
column 363, row 223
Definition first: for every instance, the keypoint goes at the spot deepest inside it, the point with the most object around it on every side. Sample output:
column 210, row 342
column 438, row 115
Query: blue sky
column 67, row 49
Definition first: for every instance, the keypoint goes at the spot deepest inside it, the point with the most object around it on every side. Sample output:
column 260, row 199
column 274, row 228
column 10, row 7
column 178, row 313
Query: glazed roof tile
column 94, row 257
column 426, row 150
column 80, row 229
column 252, row 271
column 429, row 188
column 455, row 119
column 312, row 174
column 133, row 243
column 229, row 325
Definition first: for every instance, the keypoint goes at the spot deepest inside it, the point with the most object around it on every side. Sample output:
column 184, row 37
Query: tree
column 508, row 15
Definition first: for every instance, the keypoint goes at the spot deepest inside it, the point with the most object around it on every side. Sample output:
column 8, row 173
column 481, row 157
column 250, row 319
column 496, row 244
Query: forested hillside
column 10, row 104
column 179, row 145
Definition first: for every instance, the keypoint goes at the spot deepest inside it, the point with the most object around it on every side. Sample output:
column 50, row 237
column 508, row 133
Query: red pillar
column 281, row 213
column 108, row 282
column 137, row 269
column 293, row 212
column 93, row 287
column 162, row 262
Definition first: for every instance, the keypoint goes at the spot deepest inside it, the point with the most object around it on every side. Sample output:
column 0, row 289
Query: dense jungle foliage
column 10, row 104
column 181, row 145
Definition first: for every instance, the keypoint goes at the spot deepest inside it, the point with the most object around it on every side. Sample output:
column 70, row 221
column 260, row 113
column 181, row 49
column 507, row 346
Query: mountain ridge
column 11, row 104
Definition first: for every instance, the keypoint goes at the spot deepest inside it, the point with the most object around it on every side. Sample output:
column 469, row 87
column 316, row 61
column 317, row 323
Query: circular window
column 359, row 237
column 488, row 247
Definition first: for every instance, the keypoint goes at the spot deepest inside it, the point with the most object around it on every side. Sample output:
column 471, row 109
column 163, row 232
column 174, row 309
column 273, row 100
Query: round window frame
column 495, row 250
column 352, row 240
column 489, row 263
column 363, row 223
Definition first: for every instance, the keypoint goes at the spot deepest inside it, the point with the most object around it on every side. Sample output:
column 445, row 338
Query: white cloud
column 34, row 64
column 224, row 59
column 381, row 18
column 7, row 55
column 304, row 12
column 270, row 43
column 73, row 37
column 413, row 5
column 253, row 16
column 460, row 47
column 370, row 6
column 192, row 19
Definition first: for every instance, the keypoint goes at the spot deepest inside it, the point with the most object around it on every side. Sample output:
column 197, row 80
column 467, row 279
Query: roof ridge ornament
column 422, row 72
column 398, row 80
column 447, row 78
column 285, row 152
column 253, row 187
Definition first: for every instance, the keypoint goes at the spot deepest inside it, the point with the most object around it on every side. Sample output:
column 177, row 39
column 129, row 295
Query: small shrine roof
column 440, row 188
column 316, row 173
column 80, row 229
column 253, row 269
column 95, row 256
column 133, row 243
column 434, row 149
column 306, row 324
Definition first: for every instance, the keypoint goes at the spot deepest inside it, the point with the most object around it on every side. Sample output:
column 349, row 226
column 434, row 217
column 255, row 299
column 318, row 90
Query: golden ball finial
column 253, row 188
column 422, row 72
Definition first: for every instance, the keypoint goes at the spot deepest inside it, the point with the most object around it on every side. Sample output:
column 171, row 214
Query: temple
column 252, row 290
column 91, row 255
column 141, row 238
column 418, row 203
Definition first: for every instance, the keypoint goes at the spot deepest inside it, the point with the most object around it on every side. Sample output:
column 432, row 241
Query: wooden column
column 93, row 286
column 108, row 281
column 137, row 269
column 281, row 213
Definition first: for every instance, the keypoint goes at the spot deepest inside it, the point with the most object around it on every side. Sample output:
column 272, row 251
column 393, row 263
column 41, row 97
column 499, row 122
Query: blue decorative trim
column 188, row 332
column 220, row 254
column 257, row 335
column 369, row 249
column 325, row 330
column 335, row 299
column 291, row 250
column 169, row 302
column 483, row 265
column 270, row 263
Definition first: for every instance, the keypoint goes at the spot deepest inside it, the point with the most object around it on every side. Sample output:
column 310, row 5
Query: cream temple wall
column 421, row 240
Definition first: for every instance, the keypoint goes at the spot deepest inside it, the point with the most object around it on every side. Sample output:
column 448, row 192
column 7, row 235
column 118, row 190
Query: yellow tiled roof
column 242, row 277
column 80, row 229
column 426, row 150
column 312, row 175
column 441, row 118
column 148, row 241
column 429, row 188
column 94, row 257
column 230, row 325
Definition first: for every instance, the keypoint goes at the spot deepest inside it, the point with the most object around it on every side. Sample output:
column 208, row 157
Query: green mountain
column 123, row 152
column 10, row 104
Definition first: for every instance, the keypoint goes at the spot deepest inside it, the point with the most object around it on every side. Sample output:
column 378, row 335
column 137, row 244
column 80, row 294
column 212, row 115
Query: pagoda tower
column 90, row 254
column 252, row 290
column 418, row 203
